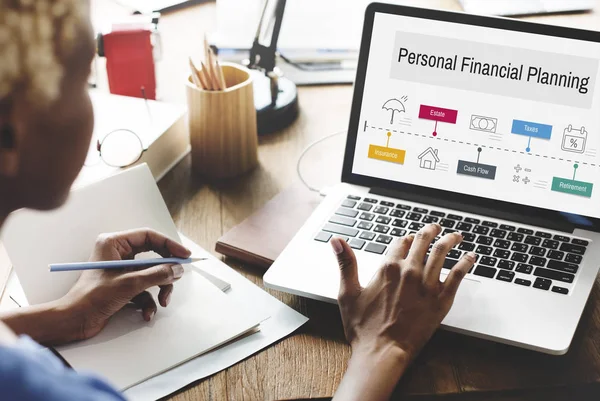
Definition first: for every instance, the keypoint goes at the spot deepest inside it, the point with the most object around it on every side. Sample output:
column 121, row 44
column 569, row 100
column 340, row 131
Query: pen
column 120, row 264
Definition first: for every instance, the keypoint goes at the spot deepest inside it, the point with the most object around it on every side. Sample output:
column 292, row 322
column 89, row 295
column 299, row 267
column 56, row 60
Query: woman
column 46, row 47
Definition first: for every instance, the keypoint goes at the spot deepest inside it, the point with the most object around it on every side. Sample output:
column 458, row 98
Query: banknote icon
column 485, row 124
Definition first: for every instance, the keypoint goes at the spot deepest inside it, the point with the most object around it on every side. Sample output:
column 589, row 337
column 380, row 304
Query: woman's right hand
column 388, row 322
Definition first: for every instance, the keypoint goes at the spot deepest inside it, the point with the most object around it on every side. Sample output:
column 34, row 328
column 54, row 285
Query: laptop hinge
column 539, row 221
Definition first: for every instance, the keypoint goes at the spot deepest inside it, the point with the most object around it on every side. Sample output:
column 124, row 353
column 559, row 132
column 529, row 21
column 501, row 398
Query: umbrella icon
column 395, row 106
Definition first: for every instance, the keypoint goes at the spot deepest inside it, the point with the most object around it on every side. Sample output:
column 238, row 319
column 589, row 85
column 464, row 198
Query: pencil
column 220, row 75
column 120, row 264
column 207, row 76
column 195, row 76
column 213, row 70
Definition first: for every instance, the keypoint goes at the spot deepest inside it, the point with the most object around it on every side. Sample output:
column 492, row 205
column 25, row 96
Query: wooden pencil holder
column 222, row 125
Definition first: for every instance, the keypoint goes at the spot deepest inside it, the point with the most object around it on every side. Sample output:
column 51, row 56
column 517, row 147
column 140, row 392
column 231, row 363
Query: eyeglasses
column 119, row 148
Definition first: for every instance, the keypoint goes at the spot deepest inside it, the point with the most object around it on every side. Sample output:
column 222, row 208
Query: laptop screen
column 488, row 112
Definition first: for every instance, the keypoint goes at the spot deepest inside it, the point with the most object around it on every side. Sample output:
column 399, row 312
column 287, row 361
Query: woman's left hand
column 99, row 294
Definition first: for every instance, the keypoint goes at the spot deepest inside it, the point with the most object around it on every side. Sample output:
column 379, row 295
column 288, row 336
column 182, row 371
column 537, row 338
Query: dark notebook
column 260, row 238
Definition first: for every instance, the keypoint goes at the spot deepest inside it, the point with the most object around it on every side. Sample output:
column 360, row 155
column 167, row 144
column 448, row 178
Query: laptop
column 489, row 127
column 525, row 7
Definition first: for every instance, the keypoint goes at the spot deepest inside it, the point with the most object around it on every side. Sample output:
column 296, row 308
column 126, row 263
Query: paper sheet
column 283, row 321
column 130, row 350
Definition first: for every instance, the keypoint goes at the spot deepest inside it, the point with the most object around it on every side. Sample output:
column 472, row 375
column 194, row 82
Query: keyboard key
column 563, row 266
column 472, row 220
column 367, row 216
column 469, row 237
column 515, row 237
column 397, row 213
column 448, row 231
column 520, row 281
column 353, row 197
column 447, row 223
column 560, row 290
column 384, row 239
column 371, row 200
column 571, row 258
column 543, row 234
column 502, row 244
column 485, row 271
column 554, row 275
column 519, row 248
column 365, row 225
column 519, row 257
column 345, row 221
column 542, row 283
column 383, row 220
column 488, row 261
column 498, row 233
column 556, row 255
column 454, row 217
column 489, row 224
column 561, row 238
column 537, row 251
column 437, row 214
column 323, row 237
column 356, row 243
column 399, row 223
column 462, row 226
column 505, row 275
column 525, row 231
column 571, row 248
column 420, row 210
column 483, row 250
column 550, row 244
column 454, row 254
column 367, row 235
column 524, row 268
column 507, row 227
column 506, row 264
column 347, row 231
column 537, row 261
column 531, row 240
column 414, row 216
column 365, row 206
column 386, row 203
column 466, row 246
column 349, row 203
column 346, row 212
column 483, row 240
column 416, row 226
column 398, row 232
column 403, row 207
column 381, row 210
column 375, row 248
column 380, row 228
column 502, row 253
column 343, row 237
column 430, row 219
column 580, row 242
column 481, row 230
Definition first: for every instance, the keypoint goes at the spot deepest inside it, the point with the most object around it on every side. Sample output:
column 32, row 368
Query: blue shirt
column 29, row 372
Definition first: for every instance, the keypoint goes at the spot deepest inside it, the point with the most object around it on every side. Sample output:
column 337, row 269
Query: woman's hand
column 99, row 294
column 388, row 322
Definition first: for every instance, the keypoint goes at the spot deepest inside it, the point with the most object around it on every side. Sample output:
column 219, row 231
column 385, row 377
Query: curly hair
column 36, row 36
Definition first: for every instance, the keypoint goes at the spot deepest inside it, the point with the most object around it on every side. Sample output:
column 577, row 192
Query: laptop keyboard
column 506, row 252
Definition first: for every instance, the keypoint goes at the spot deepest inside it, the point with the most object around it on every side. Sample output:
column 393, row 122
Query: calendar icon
column 574, row 140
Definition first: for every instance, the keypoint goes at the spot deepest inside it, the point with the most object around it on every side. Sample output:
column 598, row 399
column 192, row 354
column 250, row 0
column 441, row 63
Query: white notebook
column 128, row 351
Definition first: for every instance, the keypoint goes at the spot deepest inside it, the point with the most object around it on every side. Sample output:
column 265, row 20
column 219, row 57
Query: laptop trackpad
column 466, row 297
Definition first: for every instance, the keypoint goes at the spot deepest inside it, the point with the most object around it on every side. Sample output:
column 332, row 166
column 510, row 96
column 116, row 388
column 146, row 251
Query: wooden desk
column 310, row 363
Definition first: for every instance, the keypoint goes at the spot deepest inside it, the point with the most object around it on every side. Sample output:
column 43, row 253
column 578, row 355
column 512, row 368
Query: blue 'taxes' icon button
column 528, row 128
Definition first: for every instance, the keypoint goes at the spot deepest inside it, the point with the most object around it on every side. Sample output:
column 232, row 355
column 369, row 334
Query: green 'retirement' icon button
column 572, row 187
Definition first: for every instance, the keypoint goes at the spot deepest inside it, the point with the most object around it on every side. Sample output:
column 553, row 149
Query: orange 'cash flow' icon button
column 387, row 154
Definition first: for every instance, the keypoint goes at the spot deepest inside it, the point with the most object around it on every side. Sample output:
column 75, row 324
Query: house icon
column 429, row 159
